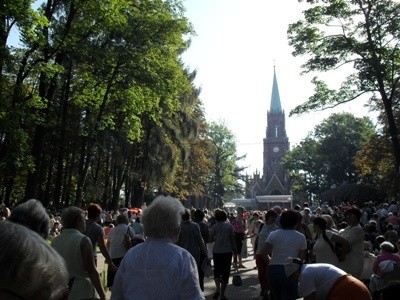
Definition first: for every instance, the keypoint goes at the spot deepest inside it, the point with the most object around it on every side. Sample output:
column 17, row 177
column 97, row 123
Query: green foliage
column 361, row 34
column 97, row 100
column 327, row 156
column 223, row 183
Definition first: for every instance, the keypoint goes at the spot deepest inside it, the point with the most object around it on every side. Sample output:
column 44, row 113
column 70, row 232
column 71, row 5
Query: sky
column 237, row 45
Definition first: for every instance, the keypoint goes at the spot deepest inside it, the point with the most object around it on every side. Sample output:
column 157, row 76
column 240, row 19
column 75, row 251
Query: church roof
column 275, row 99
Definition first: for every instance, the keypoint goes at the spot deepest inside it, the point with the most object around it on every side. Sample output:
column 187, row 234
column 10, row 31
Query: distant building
column 275, row 179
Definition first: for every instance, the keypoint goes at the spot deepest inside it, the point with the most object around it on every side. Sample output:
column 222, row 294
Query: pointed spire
column 275, row 99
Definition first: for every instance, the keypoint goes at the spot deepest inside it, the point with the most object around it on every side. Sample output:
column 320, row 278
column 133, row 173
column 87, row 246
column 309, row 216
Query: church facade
column 274, row 183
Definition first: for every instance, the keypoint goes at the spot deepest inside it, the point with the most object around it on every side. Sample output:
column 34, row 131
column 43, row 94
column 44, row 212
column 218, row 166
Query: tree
column 374, row 164
column 326, row 157
column 363, row 34
column 99, row 102
column 223, row 182
column 306, row 168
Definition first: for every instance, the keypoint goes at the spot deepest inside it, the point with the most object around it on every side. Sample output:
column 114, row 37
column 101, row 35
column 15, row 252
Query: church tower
column 276, row 144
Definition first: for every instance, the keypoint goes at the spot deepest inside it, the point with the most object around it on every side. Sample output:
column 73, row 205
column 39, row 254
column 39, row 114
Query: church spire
column 275, row 99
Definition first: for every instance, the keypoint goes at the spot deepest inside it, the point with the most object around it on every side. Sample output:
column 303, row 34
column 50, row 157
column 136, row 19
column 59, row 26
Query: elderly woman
column 30, row 268
column 385, row 262
column 354, row 233
column 77, row 251
column 33, row 215
column 157, row 268
column 279, row 245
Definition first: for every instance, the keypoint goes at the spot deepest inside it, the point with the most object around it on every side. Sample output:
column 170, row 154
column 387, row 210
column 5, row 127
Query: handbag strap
column 324, row 236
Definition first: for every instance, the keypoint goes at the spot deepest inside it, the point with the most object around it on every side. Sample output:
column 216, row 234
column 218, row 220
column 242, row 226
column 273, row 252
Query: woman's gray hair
column 387, row 246
column 329, row 220
column 30, row 268
column 33, row 215
column 70, row 216
column 162, row 218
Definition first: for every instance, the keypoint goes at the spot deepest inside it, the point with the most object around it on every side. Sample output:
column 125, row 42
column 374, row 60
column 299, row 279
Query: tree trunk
column 394, row 137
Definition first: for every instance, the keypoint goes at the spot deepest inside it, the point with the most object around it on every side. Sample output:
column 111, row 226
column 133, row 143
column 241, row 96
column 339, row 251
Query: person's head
column 122, row 219
column 240, row 211
column 33, row 215
column 373, row 224
column 270, row 216
column 289, row 219
column 386, row 247
column 320, row 224
column 353, row 215
column 30, row 268
column 277, row 209
column 292, row 267
column 329, row 221
column 220, row 215
column 93, row 211
column 378, row 241
column 186, row 215
column 73, row 217
column 198, row 215
column 162, row 218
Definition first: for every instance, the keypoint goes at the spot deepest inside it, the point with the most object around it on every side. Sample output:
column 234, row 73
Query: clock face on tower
column 275, row 149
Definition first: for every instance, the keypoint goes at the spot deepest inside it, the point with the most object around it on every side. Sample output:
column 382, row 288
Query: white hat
column 292, row 265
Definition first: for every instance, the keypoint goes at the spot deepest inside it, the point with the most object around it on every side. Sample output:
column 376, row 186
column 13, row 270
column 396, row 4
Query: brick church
column 273, row 186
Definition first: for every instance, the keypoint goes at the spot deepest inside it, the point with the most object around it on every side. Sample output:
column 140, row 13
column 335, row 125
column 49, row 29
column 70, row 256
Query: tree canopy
column 95, row 100
column 326, row 157
column 362, row 34
column 223, row 183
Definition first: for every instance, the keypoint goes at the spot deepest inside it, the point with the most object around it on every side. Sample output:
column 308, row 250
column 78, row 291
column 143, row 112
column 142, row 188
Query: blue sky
column 234, row 52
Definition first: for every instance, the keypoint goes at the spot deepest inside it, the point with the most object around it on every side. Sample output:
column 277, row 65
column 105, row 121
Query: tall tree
column 223, row 183
column 100, row 102
column 363, row 34
column 326, row 157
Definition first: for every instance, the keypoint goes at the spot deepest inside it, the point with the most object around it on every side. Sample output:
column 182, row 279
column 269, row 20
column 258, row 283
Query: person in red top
column 239, row 229
column 394, row 220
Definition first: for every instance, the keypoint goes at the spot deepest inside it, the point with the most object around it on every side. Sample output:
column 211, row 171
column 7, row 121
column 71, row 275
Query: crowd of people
column 161, row 252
